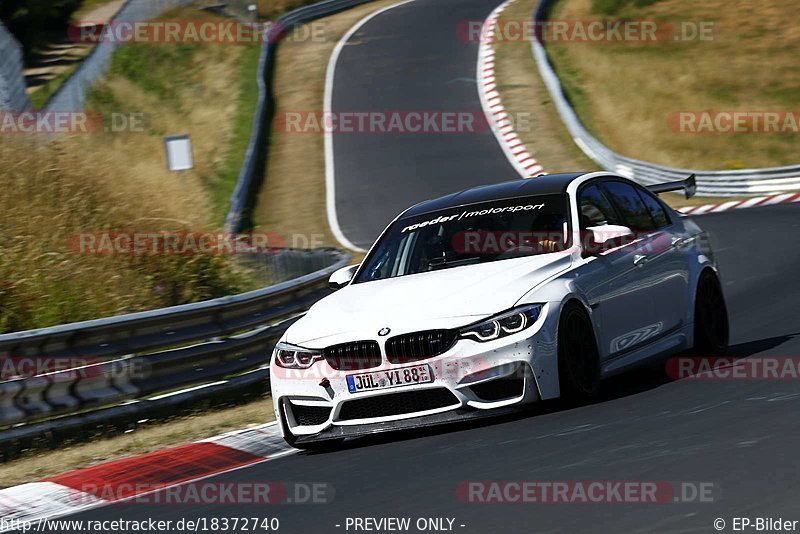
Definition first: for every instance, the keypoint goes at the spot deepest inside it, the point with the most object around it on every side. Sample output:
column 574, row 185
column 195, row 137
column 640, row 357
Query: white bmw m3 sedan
column 486, row 300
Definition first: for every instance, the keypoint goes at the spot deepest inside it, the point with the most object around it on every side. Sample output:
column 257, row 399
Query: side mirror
column 342, row 277
column 602, row 238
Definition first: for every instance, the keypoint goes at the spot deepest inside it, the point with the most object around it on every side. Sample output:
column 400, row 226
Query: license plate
column 403, row 376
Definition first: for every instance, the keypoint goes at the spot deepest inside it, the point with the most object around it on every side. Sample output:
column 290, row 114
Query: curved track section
column 738, row 435
column 409, row 58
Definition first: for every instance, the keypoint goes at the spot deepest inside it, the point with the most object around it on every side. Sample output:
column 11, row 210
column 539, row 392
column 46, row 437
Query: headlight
column 292, row 357
column 502, row 325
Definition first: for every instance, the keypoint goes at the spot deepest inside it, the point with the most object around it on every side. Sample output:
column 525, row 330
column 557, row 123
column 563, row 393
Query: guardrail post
column 30, row 399
column 9, row 412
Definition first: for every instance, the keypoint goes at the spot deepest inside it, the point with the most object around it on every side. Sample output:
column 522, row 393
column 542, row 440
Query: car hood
column 438, row 299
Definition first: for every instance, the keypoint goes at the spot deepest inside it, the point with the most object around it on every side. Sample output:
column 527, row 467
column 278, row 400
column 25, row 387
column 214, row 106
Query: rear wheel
column 710, row 315
column 578, row 357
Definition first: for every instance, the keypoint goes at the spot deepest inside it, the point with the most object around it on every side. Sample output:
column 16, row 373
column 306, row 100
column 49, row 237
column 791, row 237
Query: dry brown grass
column 624, row 92
column 140, row 441
column 523, row 91
column 117, row 182
column 272, row 8
column 95, row 191
column 292, row 199
column 97, row 10
column 54, row 192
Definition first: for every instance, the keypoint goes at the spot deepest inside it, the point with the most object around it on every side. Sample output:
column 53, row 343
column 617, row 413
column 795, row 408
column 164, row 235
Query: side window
column 595, row 209
column 630, row 206
column 655, row 208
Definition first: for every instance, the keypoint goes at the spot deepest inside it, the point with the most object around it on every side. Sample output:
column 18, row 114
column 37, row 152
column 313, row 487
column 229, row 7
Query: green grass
column 573, row 84
column 614, row 7
column 222, row 184
column 158, row 69
column 40, row 96
column 626, row 92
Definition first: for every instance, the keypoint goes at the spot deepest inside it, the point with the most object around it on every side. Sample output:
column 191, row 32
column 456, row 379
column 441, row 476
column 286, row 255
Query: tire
column 711, row 328
column 578, row 357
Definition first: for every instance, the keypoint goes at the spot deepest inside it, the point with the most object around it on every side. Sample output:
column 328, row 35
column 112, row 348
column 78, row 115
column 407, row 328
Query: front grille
column 419, row 345
column 353, row 355
column 501, row 388
column 310, row 415
column 397, row 404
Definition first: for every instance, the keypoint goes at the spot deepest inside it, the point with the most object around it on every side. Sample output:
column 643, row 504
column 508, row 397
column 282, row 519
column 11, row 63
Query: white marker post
column 179, row 152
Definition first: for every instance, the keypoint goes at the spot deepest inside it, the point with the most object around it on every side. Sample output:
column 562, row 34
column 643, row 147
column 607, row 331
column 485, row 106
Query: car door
column 668, row 263
column 615, row 286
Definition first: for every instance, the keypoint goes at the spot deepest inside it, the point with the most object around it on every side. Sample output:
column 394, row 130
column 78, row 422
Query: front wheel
column 578, row 357
column 710, row 315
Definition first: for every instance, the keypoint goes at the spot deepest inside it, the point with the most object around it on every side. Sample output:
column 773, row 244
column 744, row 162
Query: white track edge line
column 330, row 178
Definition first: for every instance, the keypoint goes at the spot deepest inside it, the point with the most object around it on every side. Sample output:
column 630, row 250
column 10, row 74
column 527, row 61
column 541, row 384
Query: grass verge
column 143, row 438
column 523, row 92
column 118, row 181
column 629, row 93
column 148, row 93
column 292, row 198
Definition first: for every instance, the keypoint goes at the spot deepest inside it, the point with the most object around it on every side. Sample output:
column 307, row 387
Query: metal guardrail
column 12, row 82
column 141, row 354
column 216, row 345
column 254, row 167
column 71, row 95
column 709, row 183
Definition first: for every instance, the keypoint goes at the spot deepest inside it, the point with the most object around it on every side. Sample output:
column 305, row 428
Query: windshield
column 467, row 235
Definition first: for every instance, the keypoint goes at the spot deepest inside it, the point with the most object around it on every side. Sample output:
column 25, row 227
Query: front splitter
column 425, row 421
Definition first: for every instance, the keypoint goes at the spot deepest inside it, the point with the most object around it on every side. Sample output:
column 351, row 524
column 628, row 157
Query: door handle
column 639, row 259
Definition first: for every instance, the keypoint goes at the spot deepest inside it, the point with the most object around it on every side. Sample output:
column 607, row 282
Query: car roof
column 549, row 184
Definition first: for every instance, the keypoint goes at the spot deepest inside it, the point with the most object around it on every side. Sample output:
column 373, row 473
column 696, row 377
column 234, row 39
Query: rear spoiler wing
column 688, row 186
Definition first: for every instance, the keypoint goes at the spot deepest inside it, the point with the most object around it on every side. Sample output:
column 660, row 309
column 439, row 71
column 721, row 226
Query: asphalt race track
column 410, row 58
column 739, row 435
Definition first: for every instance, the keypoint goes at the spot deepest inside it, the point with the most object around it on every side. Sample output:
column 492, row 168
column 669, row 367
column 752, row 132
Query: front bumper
column 470, row 380
column 453, row 416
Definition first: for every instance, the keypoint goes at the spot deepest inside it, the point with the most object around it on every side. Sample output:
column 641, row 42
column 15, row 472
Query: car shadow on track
column 633, row 382
column 655, row 373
